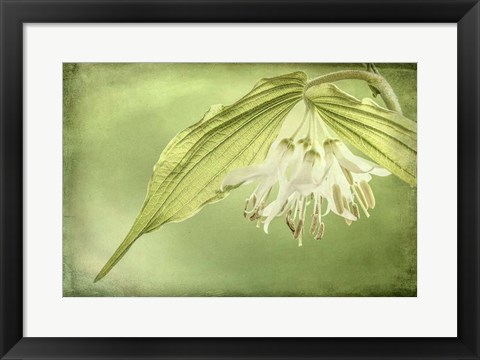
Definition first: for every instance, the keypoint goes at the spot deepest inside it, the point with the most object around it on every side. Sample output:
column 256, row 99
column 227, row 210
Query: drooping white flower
column 346, row 181
column 293, row 195
column 316, row 169
column 267, row 174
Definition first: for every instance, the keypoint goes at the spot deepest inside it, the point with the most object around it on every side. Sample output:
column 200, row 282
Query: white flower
column 318, row 169
column 346, row 181
column 293, row 195
column 267, row 174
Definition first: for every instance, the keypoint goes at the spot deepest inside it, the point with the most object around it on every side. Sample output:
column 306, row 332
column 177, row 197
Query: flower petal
column 263, row 189
column 379, row 171
column 242, row 176
column 345, row 214
column 357, row 164
column 276, row 207
column 335, row 176
column 349, row 161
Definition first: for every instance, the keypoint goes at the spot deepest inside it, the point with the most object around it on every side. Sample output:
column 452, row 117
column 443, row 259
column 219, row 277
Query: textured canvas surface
column 117, row 120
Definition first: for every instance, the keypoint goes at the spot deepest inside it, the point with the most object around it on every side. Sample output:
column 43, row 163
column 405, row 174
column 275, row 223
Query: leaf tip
column 105, row 270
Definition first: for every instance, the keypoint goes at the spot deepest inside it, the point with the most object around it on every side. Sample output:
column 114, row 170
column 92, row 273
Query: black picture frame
column 14, row 13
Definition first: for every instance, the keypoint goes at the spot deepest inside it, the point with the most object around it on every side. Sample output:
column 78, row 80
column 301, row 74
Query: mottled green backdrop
column 117, row 120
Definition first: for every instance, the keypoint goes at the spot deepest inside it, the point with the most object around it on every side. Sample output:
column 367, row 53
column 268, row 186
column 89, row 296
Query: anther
column 284, row 206
column 316, row 206
column 255, row 216
column 345, row 204
column 321, row 232
column 313, row 227
column 358, row 193
column 298, row 231
column 337, row 198
column 355, row 211
column 348, row 175
column 367, row 190
column 290, row 223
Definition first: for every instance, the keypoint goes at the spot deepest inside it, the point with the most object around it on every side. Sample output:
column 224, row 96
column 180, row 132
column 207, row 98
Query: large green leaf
column 191, row 168
column 388, row 137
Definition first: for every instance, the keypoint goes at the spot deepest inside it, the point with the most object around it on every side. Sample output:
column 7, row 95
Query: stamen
column 257, row 209
column 290, row 222
column 348, row 175
column 367, row 190
column 313, row 227
column 303, row 208
column 355, row 211
column 246, row 208
column 321, row 232
column 254, row 216
column 257, row 212
column 299, row 230
column 361, row 195
column 316, row 206
column 345, row 204
column 358, row 193
column 289, row 214
column 265, row 197
column 254, row 199
column 297, row 210
column 317, row 214
column 319, row 210
column 337, row 198
column 297, row 235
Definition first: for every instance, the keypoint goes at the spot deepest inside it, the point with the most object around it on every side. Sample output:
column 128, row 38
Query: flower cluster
column 315, row 169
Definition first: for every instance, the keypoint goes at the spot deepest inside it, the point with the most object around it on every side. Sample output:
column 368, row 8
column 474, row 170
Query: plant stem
column 375, row 80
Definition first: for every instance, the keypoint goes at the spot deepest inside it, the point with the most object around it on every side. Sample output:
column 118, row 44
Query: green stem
column 375, row 80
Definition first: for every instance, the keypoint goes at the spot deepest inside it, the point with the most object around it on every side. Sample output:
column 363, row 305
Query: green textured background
column 117, row 120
